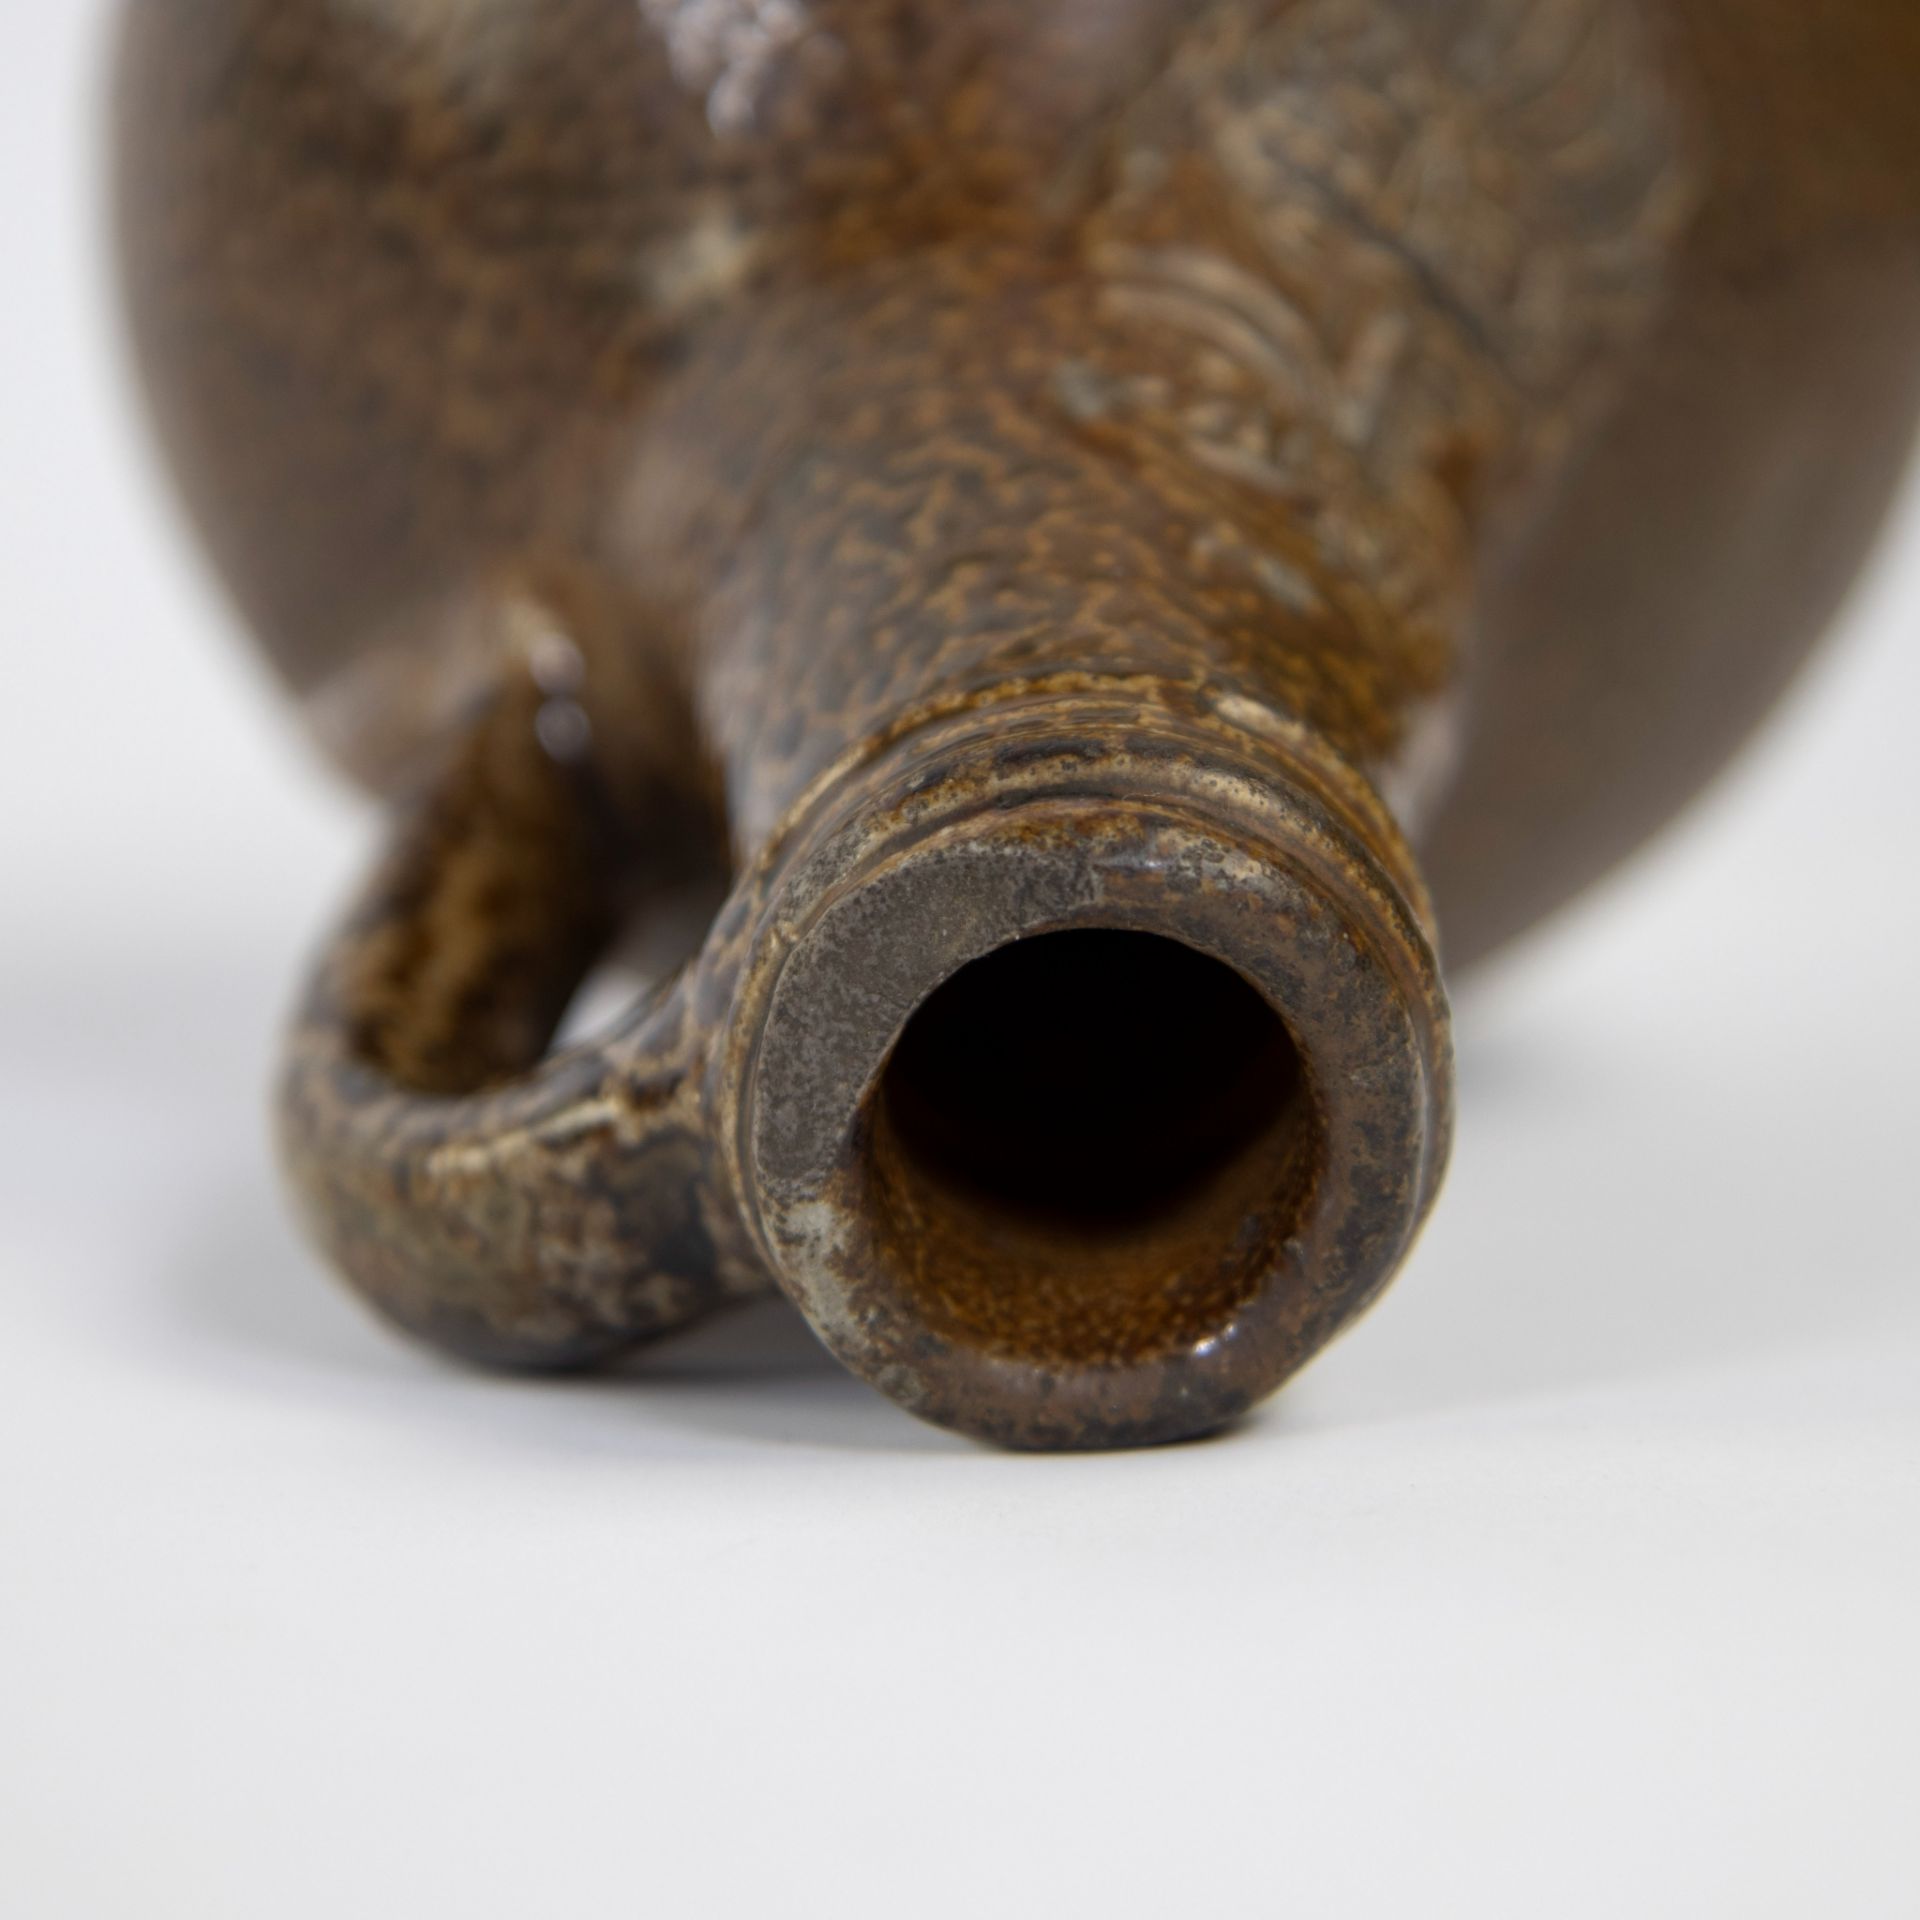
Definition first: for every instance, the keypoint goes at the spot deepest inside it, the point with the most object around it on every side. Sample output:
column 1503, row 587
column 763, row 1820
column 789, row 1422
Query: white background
column 1584, row 1579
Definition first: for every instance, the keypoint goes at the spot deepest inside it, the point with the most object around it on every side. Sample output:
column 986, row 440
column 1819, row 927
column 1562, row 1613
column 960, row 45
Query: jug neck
column 1090, row 1067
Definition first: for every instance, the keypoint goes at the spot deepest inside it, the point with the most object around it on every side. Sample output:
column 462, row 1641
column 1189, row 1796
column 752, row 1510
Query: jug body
column 1116, row 534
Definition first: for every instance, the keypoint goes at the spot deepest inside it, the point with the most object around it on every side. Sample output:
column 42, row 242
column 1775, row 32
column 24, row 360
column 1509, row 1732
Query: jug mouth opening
column 1088, row 1146
column 1083, row 1088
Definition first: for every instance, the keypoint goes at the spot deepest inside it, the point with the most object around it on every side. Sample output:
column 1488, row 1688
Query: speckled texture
column 973, row 474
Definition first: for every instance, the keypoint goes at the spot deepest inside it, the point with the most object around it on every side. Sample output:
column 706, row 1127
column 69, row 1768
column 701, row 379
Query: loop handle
column 511, row 1205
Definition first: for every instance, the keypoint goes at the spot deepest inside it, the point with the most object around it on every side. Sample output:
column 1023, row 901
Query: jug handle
column 513, row 1205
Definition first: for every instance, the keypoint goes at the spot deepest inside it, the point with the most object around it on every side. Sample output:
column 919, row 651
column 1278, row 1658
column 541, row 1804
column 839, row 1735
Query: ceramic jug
column 1115, row 536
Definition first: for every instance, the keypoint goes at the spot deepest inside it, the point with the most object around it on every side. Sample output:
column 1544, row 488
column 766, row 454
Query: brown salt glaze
column 1065, row 511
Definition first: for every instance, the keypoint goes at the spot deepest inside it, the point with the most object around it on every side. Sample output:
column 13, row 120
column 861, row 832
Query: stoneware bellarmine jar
column 1111, row 536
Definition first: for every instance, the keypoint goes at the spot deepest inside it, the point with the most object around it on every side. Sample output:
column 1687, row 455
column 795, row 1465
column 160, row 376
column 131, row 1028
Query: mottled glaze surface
column 1310, row 482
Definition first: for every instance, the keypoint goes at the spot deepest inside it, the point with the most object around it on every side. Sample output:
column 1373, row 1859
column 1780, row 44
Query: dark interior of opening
column 1086, row 1143
column 1089, row 1078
